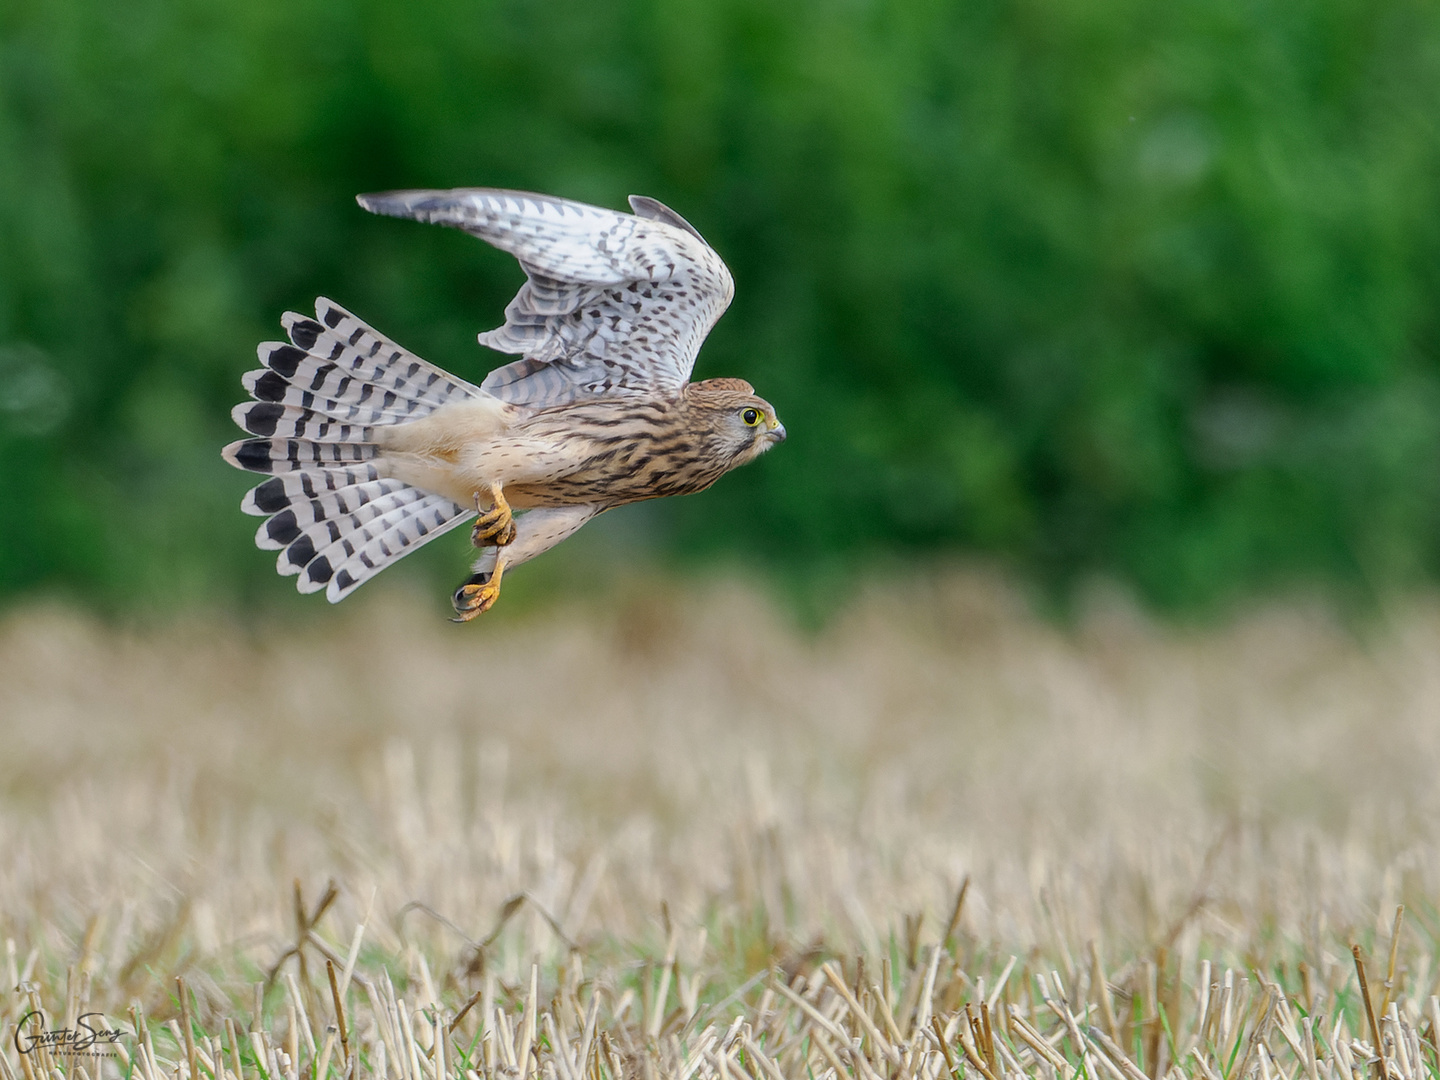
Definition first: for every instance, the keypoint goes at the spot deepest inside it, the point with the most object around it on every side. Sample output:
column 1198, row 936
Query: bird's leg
column 479, row 592
column 496, row 525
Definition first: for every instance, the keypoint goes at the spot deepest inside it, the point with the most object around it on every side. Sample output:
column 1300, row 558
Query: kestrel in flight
column 374, row 452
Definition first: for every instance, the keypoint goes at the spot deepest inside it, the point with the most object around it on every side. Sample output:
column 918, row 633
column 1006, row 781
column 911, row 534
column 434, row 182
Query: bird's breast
column 639, row 450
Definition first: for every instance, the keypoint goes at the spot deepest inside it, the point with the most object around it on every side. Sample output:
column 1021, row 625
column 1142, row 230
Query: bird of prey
column 373, row 452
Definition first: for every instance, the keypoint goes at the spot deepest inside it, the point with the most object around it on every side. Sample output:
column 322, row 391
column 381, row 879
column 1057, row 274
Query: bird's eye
column 751, row 417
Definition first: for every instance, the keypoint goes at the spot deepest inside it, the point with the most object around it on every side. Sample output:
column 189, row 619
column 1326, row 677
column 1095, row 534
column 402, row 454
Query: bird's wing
column 615, row 303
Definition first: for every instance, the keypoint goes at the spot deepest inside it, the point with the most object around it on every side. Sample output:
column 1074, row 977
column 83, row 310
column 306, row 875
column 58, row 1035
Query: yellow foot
column 477, row 594
column 494, row 526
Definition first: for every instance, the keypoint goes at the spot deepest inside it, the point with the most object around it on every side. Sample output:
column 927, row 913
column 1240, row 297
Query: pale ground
column 711, row 805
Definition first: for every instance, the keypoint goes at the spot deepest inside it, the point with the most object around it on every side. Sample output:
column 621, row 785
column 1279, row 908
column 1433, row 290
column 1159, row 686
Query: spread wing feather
column 613, row 303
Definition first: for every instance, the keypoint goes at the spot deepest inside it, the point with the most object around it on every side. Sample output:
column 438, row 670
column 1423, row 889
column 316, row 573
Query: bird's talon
column 477, row 593
column 506, row 534
column 475, row 596
column 494, row 526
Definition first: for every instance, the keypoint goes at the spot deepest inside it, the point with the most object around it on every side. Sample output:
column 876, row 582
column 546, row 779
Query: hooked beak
column 777, row 433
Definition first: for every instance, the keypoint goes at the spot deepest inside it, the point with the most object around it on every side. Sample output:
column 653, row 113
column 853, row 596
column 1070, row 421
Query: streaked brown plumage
column 634, row 450
column 376, row 452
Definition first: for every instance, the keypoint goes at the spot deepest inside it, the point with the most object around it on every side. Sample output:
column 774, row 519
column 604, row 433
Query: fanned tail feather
column 320, row 523
column 333, row 512
column 295, row 455
column 350, row 562
column 318, row 552
column 279, row 492
column 296, row 422
column 266, row 386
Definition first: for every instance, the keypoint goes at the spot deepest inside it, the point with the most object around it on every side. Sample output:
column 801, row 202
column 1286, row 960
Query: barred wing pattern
column 614, row 303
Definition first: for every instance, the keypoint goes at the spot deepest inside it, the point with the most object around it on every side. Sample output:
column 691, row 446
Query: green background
column 1144, row 290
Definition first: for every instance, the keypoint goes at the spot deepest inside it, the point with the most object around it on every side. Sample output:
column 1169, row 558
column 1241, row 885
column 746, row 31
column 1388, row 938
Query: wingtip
column 393, row 203
column 375, row 201
column 420, row 204
column 646, row 207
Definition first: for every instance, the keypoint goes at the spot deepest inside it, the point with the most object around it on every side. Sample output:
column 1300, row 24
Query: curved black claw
column 476, row 594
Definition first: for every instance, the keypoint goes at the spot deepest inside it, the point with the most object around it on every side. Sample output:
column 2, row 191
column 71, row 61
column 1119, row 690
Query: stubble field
column 667, row 834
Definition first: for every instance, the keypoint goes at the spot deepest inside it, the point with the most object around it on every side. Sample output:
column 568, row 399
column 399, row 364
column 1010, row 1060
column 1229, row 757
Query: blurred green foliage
column 1117, row 287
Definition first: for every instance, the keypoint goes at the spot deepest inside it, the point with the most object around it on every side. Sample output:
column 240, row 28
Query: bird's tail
column 333, row 511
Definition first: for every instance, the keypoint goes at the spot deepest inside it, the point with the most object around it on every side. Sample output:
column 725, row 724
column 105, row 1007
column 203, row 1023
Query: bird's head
column 741, row 425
